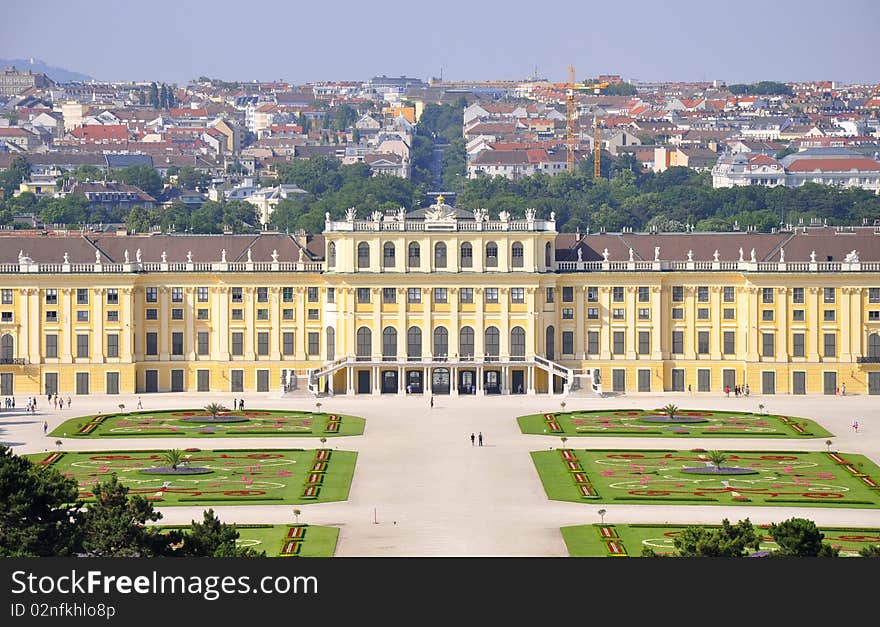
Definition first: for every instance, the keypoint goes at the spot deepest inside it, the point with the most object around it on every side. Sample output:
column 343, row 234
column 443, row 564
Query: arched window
column 493, row 342
column 331, row 255
column 550, row 343
column 466, row 342
column 516, row 255
column 363, row 255
column 467, row 255
column 331, row 343
column 414, row 254
column 439, row 255
column 6, row 348
column 388, row 255
column 389, row 344
column 548, row 256
column 491, row 255
column 874, row 345
column 414, row 344
column 441, row 342
column 517, row 343
column 364, row 343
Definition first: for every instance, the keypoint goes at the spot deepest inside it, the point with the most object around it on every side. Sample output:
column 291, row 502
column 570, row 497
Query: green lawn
column 629, row 422
column 187, row 423
column 657, row 477
column 249, row 477
column 628, row 540
column 286, row 540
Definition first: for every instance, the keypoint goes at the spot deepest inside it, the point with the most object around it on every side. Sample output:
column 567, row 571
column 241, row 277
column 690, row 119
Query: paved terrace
column 433, row 494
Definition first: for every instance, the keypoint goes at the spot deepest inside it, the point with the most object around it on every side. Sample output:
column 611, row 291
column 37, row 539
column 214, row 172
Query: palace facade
column 441, row 301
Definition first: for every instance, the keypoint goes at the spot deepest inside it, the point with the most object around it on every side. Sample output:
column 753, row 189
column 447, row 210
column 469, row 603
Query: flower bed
column 607, row 532
column 50, row 459
column 311, row 491
column 322, row 455
column 615, row 548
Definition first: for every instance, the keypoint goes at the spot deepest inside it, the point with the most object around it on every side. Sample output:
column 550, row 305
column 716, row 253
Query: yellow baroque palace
column 441, row 301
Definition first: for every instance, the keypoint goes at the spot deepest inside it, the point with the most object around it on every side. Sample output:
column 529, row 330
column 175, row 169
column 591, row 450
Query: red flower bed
column 568, row 455
column 291, row 548
column 296, row 532
column 615, row 548
column 586, row 489
column 322, row 455
column 607, row 532
column 311, row 492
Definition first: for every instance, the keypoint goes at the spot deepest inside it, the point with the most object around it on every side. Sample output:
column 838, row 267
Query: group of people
column 479, row 438
column 738, row 390
column 9, row 402
column 238, row 404
column 56, row 401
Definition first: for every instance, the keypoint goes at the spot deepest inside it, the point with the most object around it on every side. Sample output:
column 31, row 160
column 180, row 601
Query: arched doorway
column 440, row 381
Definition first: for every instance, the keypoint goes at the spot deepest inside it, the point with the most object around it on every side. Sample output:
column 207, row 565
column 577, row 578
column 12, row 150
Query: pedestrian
column 855, row 426
column 472, row 439
column 45, row 427
column 843, row 390
column 68, row 401
column 241, row 404
column 727, row 390
column 432, row 400
column 480, row 438
column 234, row 404
column 837, row 390
column 747, row 389
column 140, row 404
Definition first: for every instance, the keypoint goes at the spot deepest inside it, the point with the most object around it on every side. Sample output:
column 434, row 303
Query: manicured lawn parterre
column 264, row 477
column 286, row 540
column 659, row 477
column 628, row 540
column 199, row 423
column 696, row 423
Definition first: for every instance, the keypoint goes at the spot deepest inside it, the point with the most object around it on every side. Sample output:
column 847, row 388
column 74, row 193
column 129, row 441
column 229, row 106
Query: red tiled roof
column 860, row 164
column 100, row 132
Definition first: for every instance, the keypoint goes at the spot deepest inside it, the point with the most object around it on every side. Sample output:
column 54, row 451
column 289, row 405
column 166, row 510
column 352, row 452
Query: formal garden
column 211, row 421
column 614, row 540
column 670, row 421
column 295, row 540
column 663, row 477
column 224, row 477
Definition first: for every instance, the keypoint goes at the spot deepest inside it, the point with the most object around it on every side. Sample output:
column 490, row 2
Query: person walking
column 747, row 389
column 432, row 401
column 472, row 439
column 843, row 389
column 241, row 404
column 45, row 427
column 140, row 404
column 68, row 401
column 480, row 438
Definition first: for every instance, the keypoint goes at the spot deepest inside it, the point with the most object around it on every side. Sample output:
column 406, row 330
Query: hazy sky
column 179, row 40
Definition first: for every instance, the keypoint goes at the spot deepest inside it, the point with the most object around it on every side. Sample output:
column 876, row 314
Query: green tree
column 212, row 538
column 190, row 178
column 214, row 409
column 726, row 541
column 143, row 176
column 799, row 537
column 154, row 95
column 173, row 457
column 670, row 410
column 717, row 458
column 872, row 550
column 138, row 220
column 18, row 171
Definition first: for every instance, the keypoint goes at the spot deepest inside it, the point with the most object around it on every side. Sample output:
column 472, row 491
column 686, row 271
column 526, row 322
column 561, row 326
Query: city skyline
column 785, row 42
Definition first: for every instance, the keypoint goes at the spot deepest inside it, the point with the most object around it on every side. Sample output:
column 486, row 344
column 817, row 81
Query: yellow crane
column 571, row 117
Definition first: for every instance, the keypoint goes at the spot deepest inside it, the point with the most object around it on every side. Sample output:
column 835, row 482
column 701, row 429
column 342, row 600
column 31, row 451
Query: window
column 414, row 295
column 617, row 294
column 176, row 295
column 592, row 342
column 593, row 294
column 830, row 342
column 389, row 343
column 82, row 315
column 414, row 255
column 703, row 313
column 152, row 294
column 767, row 315
column 492, row 342
column 828, row 295
column 491, row 255
column 618, row 313
column 467, row 255
column 331, row 255
column 829, row 315
column 441, row 342
column 51, row 345
column 82, row 296
column 177, row 343
column 567, row 294
column 767, row 295
column 363, row 295
column 414, row 343
column 874, row 315
column 798, row 348
column 873, row 295
column 797, row 296
column 439, row 255
column 517, row 343
column 517, row 295
column 678, row 342
column 797, row 315
column 201, row 314
column 619, row 342
column 466, row 342
column 6, row 297
column 287, row 294
column 262, row 314
column 82, row 345
column 516, row 255
column 568, row 342
column 152, row 343
column 466, row 295
column 52, row 316
column 548, row 295
column 389, row 295
column 112, row 345
column 644, row 295
column 568, row 313
column 363, row 257
column 202, row 294
column 312, row 294
column 331, row 343
column 202, row 339
column 677, row 294
column 331, row 294
column 702, row 342
column 263, row 343
column 177, row 313
column 678, row 313
column 262, row 294
column 441, row 295
column 592, row 313
column 729, row 313
column 768, row 342
column 491, row 294
column 51, row 297
column 729, row 294
column 238, row 343
column 113, row 316
column 238, row 314
column 644, row 313
column 237, row 295
column 729, row 343
column 287, row 343
column 644, row 342
column 152, row 314
column 388, row 255
column 313, row 314
column 6, row 316
column 287, row 314
column 314, row 339
column 703, row 294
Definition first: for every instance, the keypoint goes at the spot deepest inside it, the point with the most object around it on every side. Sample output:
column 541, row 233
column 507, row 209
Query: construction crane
column 571, row 114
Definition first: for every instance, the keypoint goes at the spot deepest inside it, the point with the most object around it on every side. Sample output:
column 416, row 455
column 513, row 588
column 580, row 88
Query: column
column 580, row 296
column 846, row 322
column 856, row 323
column 480, row 391
column 480, row 326
column 813, row 324
column 349, row 305
column 690, row 336
column 376, row 304
column 349, row 380
column 25, row 347
column 428, row 333
column 716, row 338
column 66, row 325
column 530, row 377
column 401, row 325
column 659, row 332
column 299, row 340
column 782, row 325
column 753, row 332
column 454, row 322
column 401, row 385
column 249, row 327
column 97, row 314
column 220, row 323
column 632, row 305
column 505, row 326
column 605, row 316
column 164, row 316
column 426, row 378
column 132, row 314
column 189, row 339
column 377, row 389
column 452, row 379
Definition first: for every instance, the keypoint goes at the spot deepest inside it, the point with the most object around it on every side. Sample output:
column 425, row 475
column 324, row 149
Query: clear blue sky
column 178, row 40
